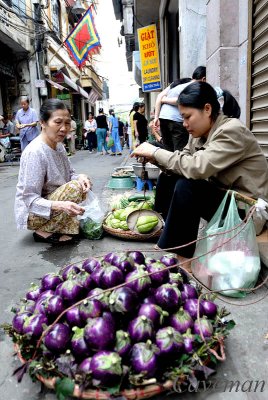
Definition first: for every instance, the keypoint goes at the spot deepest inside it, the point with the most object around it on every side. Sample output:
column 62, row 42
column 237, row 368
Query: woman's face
column 57, row 127
column 197, row 122
column 24, row 105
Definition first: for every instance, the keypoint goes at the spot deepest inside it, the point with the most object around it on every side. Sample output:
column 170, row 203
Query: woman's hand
column 68, row 207
column 145, row 150
column 85, row 182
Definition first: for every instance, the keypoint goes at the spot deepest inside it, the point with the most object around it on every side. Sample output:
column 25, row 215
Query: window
column 55, row 16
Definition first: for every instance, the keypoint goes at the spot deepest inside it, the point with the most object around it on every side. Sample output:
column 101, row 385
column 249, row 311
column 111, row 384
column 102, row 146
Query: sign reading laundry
column 149, row 57
column 83, row 40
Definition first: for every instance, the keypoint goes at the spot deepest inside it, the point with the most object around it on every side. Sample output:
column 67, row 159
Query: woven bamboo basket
column 141, row 392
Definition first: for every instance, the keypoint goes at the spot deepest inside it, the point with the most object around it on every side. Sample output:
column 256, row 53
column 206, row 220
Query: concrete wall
column 227, row 46
column 192, row 28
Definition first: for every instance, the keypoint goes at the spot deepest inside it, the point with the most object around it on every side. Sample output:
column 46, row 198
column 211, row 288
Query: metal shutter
column 259, row 99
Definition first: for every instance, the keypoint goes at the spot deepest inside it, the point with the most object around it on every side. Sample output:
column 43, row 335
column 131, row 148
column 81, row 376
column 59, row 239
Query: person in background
column 155, row 137
column 6, row 130
column 121, row 127
column 102, row 128
column 167, row 114
column 26, row 122
column 71, row 137
column 140, row 124
column 133, row 141
column 221, row 154
column 48, row 189
column 90, row 127
column 113, row 130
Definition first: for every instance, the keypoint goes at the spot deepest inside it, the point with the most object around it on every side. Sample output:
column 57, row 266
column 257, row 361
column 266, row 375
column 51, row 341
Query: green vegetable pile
column 91, row 230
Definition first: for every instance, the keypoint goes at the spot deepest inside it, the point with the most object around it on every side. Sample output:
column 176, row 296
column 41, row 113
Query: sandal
column 54, row 238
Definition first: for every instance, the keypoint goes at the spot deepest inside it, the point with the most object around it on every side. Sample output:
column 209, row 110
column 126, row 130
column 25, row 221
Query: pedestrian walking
column 101, row 132
column 26, row 122
column 113, row 131
column 90, row 127
column 121, row 127
column 132, row 138
column 140, row 124
column 71, row 137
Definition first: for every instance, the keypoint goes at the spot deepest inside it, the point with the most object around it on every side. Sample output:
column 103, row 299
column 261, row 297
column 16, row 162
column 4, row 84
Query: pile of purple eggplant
column 123, row 315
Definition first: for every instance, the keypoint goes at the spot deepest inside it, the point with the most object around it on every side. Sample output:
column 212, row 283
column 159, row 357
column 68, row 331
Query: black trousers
column 175, row 136
column 182, row 202
column 91, row 140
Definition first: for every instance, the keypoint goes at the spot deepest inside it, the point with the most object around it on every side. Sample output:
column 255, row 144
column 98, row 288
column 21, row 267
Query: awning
column 60, row 77
column 56, row 85
column 93, row 96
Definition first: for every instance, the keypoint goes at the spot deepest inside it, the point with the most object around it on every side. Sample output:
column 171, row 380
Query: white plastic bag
column 91, row 220
column 233, row 259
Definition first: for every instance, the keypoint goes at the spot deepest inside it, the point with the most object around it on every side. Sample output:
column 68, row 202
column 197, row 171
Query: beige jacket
column 231, row 156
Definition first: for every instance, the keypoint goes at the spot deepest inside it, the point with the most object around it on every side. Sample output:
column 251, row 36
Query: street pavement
column 23, row 261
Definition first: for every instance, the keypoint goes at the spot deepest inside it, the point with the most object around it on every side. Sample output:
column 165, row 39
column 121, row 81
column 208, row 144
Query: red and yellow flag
column 83, row 40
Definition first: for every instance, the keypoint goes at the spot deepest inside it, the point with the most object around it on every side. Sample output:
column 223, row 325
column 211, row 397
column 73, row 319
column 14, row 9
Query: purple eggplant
column 71, row 291
column 136, row 257
column 99, row 334
column 110, row 318
column 78, row 344
column 34, row 325
column 168, row 296
column 54, row 306
column 90, row 264
column 169, row 341
column 68, row 271
column 168, row 260
column 153, row 312
column 84, row 366
column 46, row 295
column 106, row 368
column 176, row 278
column 96, row 275
column 110, row 277
column 144, row 357
column 109, row 257
column 50, row 281
column 123, row 300
column 19, row 320
column 210, row 308
column 101, row 296
column 122, row 343
column 40, row 306
column 73, row 317
column 181, row 321
column 58, row 337
column 90, row 309
column 34, row 292
column 140, row 329
column 204, row 326
column 191, row 306
column 138, row 280
column 26, row 306
column 188, row 292
column 160, row 275
column 84, row 279
column 189, row 342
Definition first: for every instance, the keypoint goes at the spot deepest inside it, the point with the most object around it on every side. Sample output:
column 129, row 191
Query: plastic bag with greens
column 91, row 220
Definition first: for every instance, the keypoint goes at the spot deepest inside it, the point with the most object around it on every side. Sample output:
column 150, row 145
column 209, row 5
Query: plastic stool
column 140, row 184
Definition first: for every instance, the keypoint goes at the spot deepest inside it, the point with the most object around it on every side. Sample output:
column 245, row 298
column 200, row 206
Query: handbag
column 233, row 260
column 91, row 221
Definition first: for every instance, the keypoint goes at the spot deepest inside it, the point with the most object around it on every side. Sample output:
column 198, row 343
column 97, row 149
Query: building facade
column 229, row 37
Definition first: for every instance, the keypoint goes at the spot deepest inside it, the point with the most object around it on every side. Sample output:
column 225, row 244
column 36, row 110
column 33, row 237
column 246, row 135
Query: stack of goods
column 109, row 325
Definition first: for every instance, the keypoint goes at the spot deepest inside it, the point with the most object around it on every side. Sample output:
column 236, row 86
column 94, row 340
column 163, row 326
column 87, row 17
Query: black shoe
column 54, row 238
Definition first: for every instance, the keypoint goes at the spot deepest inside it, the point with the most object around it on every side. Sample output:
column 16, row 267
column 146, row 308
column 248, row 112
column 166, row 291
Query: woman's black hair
column 179, row 82
column 111, row 111
column 199, row 73
column 51, row 105
column 230, row 106
column 199, row 93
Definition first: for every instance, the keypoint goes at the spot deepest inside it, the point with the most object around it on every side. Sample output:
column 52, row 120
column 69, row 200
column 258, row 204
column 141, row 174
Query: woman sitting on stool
column 48, row 190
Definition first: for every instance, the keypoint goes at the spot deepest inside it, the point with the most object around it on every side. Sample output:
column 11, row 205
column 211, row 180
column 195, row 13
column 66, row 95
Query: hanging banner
column 149, row 57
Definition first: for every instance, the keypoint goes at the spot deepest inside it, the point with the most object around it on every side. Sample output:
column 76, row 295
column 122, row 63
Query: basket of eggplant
column 119, row 325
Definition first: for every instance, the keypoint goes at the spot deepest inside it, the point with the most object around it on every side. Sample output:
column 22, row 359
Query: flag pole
column 55, row 53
